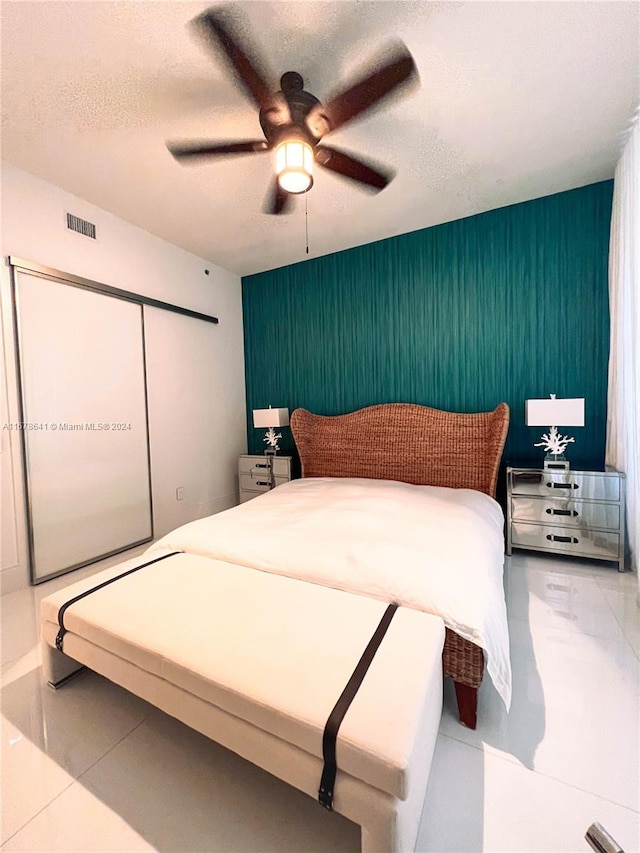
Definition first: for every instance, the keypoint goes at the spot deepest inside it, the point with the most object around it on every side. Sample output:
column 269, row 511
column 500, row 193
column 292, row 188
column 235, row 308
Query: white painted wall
column 194, row 442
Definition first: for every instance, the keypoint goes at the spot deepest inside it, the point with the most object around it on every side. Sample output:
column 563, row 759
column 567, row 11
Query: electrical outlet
column 180, row 493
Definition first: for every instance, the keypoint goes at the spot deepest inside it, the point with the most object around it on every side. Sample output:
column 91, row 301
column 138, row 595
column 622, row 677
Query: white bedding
column 433, row 549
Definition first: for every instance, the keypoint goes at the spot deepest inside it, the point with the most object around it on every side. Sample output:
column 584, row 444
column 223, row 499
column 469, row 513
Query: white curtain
column 623, row 417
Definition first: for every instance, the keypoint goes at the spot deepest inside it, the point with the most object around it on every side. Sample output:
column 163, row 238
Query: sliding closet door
column 85, row 433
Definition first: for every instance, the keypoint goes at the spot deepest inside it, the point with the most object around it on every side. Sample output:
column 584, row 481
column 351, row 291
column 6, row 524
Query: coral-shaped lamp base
column 271, row 440
column 555, row 445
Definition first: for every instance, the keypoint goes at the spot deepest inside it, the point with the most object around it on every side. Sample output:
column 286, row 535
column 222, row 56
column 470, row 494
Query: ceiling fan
column 294, row 121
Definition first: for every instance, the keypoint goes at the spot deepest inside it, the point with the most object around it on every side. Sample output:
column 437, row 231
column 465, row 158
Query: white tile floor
column 92, row 768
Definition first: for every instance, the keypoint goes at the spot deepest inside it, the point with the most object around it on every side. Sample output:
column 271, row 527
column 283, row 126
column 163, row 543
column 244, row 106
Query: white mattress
column 270, row 650
column 437, row 550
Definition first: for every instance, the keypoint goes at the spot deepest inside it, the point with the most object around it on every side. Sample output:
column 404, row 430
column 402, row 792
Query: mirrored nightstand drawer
column 247, row 464
column 566, row 513
column 567, row 484
column 259, row 483
column 580, row 542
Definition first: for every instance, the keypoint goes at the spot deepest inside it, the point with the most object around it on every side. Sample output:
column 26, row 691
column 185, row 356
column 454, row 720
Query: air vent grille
column 82, row 226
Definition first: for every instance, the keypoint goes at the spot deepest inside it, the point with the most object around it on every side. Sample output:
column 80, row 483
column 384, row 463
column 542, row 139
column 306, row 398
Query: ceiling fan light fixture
column 294, row 165
column 293, row 120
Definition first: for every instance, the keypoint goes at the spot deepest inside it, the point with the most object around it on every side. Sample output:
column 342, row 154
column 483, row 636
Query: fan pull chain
column 306, row 219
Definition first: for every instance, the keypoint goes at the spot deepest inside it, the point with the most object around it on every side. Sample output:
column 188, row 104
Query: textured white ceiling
column 516, row 100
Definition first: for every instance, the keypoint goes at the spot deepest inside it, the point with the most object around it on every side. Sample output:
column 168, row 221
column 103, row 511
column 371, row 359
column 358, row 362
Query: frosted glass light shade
column 264, row 418
column 554, row 412
column 294, row 166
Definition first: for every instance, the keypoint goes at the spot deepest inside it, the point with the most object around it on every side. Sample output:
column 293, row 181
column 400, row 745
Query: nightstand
column 580, row 513
column 255, row 477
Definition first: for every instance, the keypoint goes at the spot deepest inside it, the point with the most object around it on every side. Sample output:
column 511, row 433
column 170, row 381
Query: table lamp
column 271, row 418
column 566, row 412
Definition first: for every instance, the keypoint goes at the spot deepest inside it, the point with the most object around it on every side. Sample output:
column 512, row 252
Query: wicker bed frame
column 419, row 445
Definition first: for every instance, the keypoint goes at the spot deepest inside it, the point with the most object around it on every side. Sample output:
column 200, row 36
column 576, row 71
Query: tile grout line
column 110, row 750
column 486, row 749
column 74, row 781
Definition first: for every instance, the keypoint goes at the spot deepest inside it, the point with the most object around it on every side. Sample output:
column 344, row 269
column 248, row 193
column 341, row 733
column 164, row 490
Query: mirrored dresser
column 580, row 513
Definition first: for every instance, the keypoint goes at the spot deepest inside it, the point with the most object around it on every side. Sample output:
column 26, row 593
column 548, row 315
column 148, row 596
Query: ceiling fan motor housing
column 300, row 104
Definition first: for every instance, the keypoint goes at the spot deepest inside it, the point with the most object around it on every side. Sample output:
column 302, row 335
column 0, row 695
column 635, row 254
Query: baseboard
column 13, row 578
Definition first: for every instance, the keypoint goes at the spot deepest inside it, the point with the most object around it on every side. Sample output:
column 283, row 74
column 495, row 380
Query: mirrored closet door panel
column 85, row 432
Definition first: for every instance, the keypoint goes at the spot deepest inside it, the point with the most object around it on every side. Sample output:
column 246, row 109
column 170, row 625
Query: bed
column 423, row 446
column 217, row 623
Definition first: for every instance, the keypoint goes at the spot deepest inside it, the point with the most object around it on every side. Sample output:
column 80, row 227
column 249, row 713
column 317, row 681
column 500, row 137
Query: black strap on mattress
column 325, row 794
column 87, row 592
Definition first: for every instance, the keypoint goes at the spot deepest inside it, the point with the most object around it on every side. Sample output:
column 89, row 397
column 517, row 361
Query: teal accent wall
column 505, row 305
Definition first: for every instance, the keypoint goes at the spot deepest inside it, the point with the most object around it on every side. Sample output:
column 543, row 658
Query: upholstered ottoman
column 258, row 662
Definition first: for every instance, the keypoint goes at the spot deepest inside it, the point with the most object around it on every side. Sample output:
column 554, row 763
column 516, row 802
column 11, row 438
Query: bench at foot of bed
column 236, row 675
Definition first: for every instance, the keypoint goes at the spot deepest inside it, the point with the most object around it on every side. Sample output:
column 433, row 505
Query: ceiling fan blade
column 277, row 200
column 352, row 168
column 363, row 95
column 217, row 33
column 192, row 150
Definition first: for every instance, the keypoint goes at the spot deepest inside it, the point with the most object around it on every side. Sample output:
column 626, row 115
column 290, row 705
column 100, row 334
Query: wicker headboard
column 406, row 442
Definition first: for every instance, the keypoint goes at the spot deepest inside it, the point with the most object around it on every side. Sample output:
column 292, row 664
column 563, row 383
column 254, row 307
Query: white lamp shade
column 553, row 412
column 294, row 166
column 265, row 418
